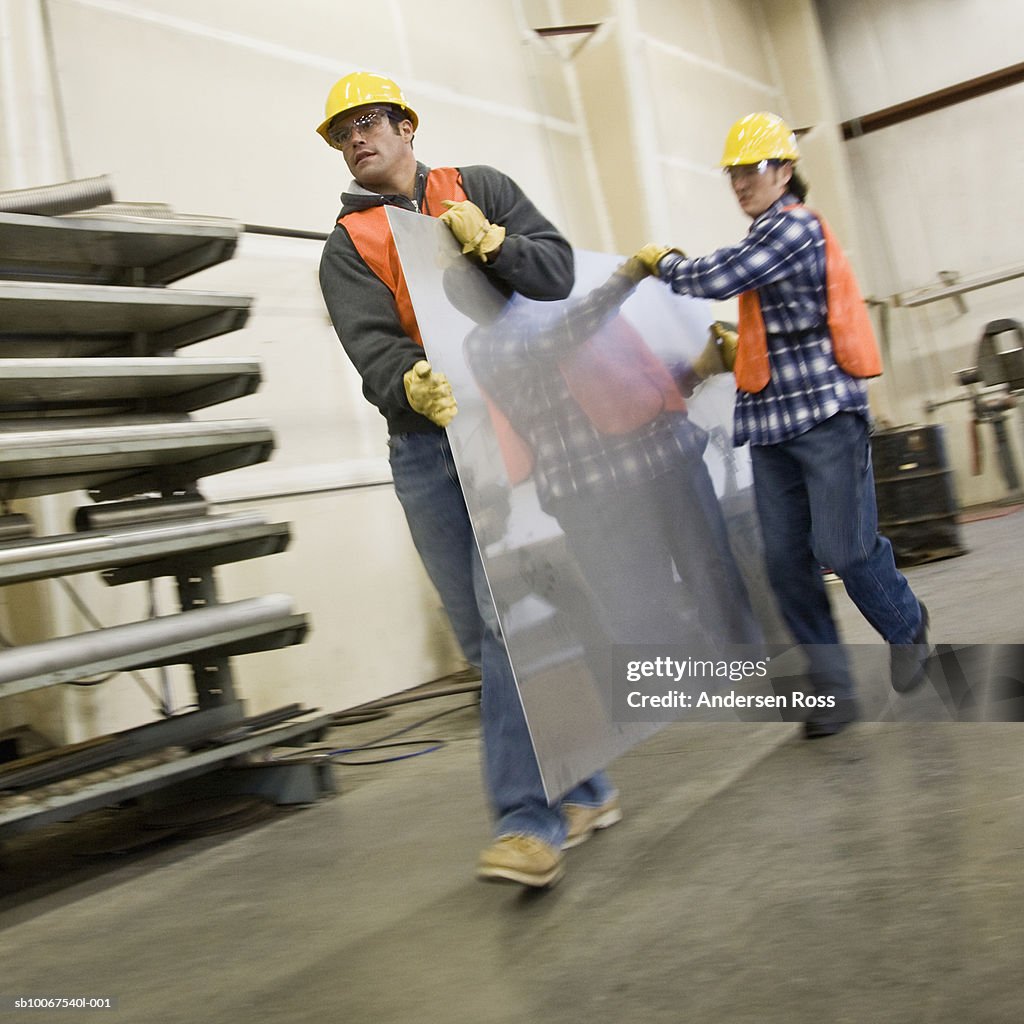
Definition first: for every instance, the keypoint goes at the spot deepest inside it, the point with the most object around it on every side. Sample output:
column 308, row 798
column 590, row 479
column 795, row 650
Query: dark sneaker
column 833, row 721
column 583, row 820
column 523, row 859
column 910, row 661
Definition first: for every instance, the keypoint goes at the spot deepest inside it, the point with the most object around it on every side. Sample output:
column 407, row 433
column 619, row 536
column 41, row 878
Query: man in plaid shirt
column 614, row 468
column 806, row 419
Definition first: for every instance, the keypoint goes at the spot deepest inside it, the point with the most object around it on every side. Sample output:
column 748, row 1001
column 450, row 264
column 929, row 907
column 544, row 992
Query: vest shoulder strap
column 853, row 338
column 371, row 235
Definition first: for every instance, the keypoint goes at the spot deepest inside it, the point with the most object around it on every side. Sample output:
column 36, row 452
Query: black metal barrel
column 914, row 490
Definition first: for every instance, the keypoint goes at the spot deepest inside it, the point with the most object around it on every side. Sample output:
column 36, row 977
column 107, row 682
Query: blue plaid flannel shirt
column 516, row 360
column 783, row 257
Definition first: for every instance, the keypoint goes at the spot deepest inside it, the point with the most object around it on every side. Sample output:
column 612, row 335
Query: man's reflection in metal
column 581, row 404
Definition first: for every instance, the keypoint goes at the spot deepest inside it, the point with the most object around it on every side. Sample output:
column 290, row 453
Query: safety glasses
column 744, row 171
column 366, row 124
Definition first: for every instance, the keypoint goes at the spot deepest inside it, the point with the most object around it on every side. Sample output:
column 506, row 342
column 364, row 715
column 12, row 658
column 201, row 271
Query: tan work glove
column 719, row 354
column 472, row 229
column 651, row 255
column 430, row 394
column 633, row 269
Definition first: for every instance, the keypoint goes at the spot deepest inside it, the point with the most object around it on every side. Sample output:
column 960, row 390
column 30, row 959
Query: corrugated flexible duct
column 56, row 200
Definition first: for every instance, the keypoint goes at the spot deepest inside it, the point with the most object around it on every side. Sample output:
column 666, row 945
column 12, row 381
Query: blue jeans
column 428, row 487
column 633, row 545
column 815, row 496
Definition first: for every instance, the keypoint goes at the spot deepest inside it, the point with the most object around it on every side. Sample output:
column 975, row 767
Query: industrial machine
column 992, row 387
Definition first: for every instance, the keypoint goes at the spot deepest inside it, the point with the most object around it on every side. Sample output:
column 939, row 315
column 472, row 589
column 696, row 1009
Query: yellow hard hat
column 758, row 137
column 360, row 89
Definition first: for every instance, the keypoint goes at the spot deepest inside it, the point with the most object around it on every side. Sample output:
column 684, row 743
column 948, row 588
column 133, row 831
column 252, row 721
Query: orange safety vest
column 619, row 383
column 371, row 235
column 849, row 324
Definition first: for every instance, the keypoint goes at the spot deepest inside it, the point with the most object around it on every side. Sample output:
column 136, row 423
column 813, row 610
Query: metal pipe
column 569, row 30
column 141, row 510
column 57, row 200
column 931, row 406
column 15, row 527
column 933, row 101
column 119, row 541
column 300, row 492
column 267, row 229
column 986, row 281
column 68, row 652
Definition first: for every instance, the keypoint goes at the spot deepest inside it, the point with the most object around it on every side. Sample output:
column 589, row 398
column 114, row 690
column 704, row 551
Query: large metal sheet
column 174, row 383
column 40, row 320
column 123, row 458
column 665, row 557
column 108, row 250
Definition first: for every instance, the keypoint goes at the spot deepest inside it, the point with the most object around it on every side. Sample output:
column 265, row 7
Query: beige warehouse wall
column 661, row 83
column 211, row 107
column 937, row 193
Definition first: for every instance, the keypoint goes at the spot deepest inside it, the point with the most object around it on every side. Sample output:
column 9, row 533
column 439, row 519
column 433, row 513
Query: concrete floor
column 872, row 877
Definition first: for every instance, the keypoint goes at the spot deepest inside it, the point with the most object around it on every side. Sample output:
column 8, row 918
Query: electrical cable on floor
column 417, row 724
column 410, row 697
column 438, row 744
column 354, row 717
column 380, row 743
column 381, row 708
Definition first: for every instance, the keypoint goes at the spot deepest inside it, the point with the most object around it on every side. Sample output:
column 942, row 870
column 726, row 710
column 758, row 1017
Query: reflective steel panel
column 608, row 502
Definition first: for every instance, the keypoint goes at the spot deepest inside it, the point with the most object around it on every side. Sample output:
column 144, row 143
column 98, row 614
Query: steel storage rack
column 94, row 396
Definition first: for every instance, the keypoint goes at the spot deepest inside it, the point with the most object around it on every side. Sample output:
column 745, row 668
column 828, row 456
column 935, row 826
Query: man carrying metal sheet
column 368, row 120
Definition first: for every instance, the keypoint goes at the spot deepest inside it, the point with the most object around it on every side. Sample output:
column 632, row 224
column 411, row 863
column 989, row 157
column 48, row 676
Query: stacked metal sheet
column 95, row 396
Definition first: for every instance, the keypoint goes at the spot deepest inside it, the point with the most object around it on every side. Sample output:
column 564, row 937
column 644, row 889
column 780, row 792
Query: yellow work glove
column 651, row 255
column 719, row 355
column 634, row 269
column 472, row 229
column 430, row 394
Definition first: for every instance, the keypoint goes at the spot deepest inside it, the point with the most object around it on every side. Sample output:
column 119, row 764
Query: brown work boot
column 523, row 859
column 583, row 820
